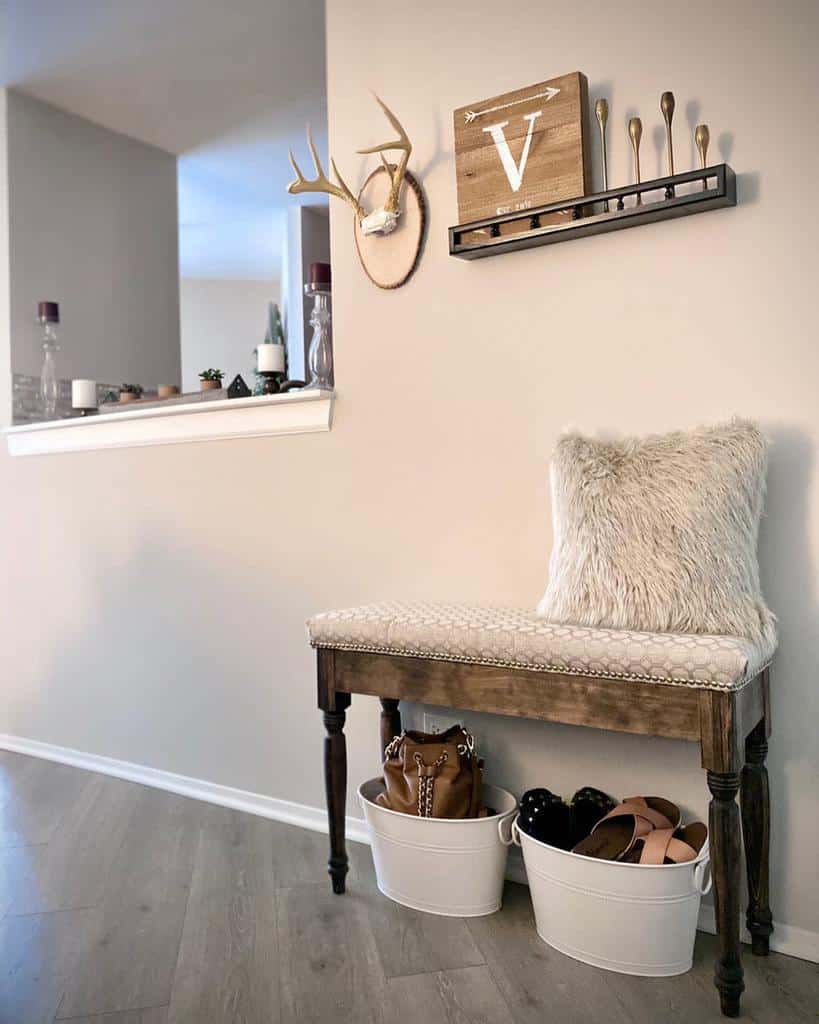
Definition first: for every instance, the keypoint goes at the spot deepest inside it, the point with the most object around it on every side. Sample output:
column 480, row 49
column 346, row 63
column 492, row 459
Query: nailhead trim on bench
column 555, row 669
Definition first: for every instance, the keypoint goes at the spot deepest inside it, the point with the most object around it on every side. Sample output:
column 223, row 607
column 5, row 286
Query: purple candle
column 48, row 312
column 320, row 276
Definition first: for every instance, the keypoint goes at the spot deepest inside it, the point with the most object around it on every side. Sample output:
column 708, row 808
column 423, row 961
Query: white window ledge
column 296, row 412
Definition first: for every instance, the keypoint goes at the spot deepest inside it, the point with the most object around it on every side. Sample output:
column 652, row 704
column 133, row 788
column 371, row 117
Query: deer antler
column 321, row 183
column 397, row 172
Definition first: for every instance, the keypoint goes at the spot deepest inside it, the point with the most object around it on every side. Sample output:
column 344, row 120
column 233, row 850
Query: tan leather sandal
column 636, row 817
column 669, row 846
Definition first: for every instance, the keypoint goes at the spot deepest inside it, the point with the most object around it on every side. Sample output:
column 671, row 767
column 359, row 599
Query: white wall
column 292, row 300
column 307, row 240
column 5, row 320
column 660, row 327
column 93, row 223
column 176, row 637
column 222, row 322
column 315, row 248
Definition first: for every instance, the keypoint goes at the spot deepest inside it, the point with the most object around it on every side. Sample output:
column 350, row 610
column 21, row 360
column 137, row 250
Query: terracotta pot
column 127, row 396
column 167, row 391
column 210, row 385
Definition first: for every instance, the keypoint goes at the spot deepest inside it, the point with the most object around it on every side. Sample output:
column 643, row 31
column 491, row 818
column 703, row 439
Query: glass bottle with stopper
column 320, row 354
column 48, row 315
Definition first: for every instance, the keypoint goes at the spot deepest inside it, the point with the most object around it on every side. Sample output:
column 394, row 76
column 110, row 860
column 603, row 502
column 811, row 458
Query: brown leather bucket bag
column 433, row 775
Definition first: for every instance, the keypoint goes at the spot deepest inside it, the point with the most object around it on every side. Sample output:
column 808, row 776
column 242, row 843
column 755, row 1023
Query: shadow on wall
column 440, row 151
column 748, row 182
column 789, row 584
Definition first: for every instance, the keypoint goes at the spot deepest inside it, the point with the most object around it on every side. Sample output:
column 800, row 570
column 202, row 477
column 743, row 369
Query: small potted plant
column 211, row 379
column 129, row 393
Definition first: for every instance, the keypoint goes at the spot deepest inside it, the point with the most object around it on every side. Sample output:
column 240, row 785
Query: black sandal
column 589, row 805
column 547, row 818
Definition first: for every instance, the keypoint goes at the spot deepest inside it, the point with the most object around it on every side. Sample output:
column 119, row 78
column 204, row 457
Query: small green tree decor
column 274, row 335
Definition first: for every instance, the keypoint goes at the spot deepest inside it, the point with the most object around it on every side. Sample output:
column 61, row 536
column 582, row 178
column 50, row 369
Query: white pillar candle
column 270, row 358
column 84, row 394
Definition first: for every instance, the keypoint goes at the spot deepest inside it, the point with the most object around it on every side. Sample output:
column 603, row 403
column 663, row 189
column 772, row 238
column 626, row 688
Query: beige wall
column 159, row 594
column 222, row 321
column 93, row 224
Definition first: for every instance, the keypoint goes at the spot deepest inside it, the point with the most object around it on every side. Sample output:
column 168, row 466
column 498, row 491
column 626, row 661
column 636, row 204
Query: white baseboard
column 786, row 939
column 198, row 789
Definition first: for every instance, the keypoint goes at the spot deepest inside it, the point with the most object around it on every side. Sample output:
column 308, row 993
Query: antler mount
column 389, row 196
column 383, row 220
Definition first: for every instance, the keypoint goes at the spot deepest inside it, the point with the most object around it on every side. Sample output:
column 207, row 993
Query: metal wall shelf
column 588, row 216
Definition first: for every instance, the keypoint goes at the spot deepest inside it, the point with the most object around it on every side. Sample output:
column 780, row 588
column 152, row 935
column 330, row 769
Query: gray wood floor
column 126, row 905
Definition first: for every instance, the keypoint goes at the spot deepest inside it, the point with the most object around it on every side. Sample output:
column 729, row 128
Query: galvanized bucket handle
column 512, row 817
column 700, row 871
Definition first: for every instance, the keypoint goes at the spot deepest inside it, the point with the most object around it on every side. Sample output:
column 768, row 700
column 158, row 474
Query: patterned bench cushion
column 513, row 638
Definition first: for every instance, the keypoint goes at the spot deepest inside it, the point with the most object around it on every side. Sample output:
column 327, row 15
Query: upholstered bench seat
column 512, row 638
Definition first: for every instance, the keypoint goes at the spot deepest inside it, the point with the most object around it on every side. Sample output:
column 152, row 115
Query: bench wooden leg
column 723, row 826
column 390, row 721
column 335, row 782
column 756, row 830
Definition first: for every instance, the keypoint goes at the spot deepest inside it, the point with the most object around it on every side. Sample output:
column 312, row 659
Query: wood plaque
column 390, row 260
column 523, row 149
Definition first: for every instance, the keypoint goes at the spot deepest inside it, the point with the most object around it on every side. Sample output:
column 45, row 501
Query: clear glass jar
column 48, row 374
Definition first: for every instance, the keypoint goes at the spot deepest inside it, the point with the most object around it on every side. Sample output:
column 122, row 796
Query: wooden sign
column 523, row 149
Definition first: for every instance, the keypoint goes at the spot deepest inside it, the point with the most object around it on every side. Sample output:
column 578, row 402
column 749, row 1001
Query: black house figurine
column 238, row 388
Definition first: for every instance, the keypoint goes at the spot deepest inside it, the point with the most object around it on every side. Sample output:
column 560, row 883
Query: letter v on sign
column 514, row 172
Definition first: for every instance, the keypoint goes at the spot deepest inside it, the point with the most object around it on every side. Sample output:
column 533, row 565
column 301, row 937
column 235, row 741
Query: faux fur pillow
column 660, row 533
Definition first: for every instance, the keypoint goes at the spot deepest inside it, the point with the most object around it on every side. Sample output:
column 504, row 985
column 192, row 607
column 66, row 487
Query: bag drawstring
column 391, row 748
column 427, row 773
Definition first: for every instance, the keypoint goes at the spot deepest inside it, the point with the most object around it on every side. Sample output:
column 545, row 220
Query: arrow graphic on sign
column 548, row 94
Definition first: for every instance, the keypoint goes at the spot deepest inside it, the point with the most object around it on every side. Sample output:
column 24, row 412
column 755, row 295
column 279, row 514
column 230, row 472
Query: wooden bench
column 716, row 692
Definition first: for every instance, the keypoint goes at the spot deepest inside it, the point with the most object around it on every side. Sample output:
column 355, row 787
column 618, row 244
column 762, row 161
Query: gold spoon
column 667, row 108
column 635, row 131
column 702, row 137
column 601, row 109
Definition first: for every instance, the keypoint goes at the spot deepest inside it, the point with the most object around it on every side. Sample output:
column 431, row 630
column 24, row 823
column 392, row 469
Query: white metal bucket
column 448, row 866
column 632, row 918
